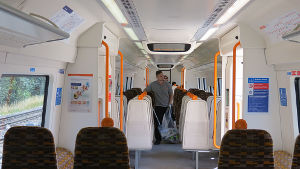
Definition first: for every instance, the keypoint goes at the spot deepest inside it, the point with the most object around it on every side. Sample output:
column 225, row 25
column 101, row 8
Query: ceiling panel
column 173, row 20
column 172, row 59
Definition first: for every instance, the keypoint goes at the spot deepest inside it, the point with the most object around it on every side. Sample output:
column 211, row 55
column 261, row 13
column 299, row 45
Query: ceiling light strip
column 230, row 12
column 114, row 9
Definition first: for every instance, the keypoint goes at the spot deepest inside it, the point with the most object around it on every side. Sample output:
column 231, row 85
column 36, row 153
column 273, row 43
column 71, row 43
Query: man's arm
column 171, row 99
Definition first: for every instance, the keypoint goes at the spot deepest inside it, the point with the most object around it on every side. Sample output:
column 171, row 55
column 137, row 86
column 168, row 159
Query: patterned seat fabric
column 177, row 102
column 296, row 156
column 130, row 94
column 65, row 158
column 138, row 90
column 246, row 149
column 101, row 148
column 200, row 93
column 28, row 148
column 282, row 160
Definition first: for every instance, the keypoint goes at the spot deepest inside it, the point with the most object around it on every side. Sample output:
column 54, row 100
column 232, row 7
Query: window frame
column 46, row 91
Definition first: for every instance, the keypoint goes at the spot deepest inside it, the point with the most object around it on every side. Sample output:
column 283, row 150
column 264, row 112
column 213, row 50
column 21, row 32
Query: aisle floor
column 171, row 156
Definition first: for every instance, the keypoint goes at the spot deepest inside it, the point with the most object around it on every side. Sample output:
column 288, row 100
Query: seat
column 28, row 147
column 246, row 149
column 296, row 156
column 101, row 148
column 139, row 126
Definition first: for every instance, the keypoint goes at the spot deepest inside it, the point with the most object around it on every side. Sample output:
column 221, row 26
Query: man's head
column 159, row 75
column 173, row 83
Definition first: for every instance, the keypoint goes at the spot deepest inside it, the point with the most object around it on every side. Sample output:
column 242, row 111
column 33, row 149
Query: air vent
column 169, row 47
column 218, row 11
column 129, row 10
column 165, row 66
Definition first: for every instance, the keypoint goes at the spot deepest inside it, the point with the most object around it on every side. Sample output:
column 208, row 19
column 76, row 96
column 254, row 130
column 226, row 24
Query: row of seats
column 96, row 148
column 115, row 113
column 205, row 109
column 210, row 107
column 180, row 93
column 177, row 101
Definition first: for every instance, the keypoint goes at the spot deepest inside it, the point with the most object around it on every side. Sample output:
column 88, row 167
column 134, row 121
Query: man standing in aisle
column 163, row 94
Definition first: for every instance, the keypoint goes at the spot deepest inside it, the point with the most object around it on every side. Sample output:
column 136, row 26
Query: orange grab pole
column 238, row 111
column 215, row 99
column 148, row 81
column 147, row 76
column 106, row 78
column 182, row 78
column 233, row 83
column 121, row 91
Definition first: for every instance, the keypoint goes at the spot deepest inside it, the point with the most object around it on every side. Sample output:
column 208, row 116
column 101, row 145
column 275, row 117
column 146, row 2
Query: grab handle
column 121, row 91
column 106, row 77
column 215, row 99
column 233, row 83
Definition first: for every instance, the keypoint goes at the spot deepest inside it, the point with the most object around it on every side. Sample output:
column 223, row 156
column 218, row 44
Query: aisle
column 170, row 156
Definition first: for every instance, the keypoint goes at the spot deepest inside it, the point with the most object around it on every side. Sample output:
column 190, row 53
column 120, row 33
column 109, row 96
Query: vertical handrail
column 215, row 99
column 238, row 110
column 106, row 78
column 147, row 76
column 233, row 83
column 182, row 77
column 121, row 91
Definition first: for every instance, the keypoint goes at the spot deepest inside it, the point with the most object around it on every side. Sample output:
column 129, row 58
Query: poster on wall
column 80, row 92
column 258, row 95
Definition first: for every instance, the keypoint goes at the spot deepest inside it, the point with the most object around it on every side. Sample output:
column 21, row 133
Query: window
column 118, row 85
column 199, row 83
column 126, row 81
column 23, row 100
column 131, row 83
column 204, row 84
column 219, row 91
column 211, row 89
column 297, row 89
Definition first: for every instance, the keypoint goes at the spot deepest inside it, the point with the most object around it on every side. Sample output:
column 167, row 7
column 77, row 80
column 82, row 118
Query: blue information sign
column 58, row 96
column 283, row 98
column 258, row 95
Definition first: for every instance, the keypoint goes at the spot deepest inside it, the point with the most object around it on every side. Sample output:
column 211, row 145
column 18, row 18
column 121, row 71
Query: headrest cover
column 241, row 124
column 107, row 122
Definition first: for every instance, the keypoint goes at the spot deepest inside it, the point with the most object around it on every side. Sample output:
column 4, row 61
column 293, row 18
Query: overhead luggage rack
column 18, row 29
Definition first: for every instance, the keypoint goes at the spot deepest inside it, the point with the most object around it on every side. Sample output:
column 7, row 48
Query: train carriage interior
column 73, row 79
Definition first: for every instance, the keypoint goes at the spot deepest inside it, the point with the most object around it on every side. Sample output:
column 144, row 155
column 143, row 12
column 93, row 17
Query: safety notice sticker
column 258, row 95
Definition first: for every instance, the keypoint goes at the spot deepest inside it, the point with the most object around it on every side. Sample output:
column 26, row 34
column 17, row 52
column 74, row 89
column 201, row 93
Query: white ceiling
column 173, row 20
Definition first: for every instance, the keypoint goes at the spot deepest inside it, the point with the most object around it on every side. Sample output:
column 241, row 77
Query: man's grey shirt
column 162, row 93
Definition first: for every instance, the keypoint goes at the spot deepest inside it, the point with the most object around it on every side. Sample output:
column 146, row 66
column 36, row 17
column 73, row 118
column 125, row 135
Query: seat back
column 195, row 134
column 101, row 148
column 246, row 149
column 28, row 147
column 139, row 124
column 296, row 156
